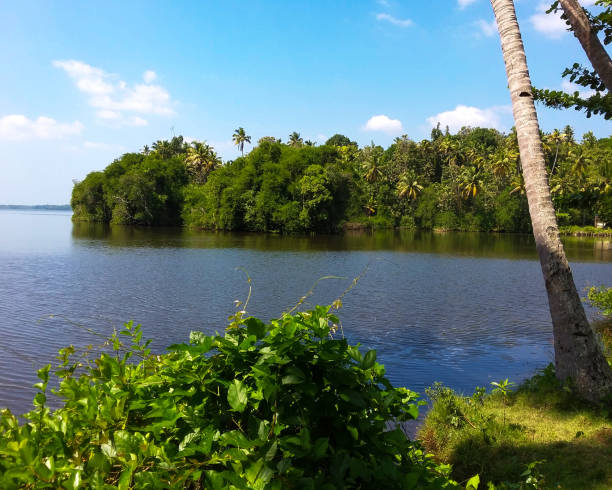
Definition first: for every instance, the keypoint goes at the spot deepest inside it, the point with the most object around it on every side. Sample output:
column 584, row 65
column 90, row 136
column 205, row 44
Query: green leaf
column 237, row 396
column 255, row 327
column 369, row 359
column 473, row 483
column 294, row 376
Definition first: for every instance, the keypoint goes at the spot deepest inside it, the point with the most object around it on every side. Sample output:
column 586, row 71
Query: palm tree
column 471, row 182
column 408, row 186
column 581, row 161
column 503, row 162
column 145, row 150
column 556, row 138
column 372, row 163
column 240, row 138
column 201, row 159
column 163, row 148
column 295, row 139
column 577, row 354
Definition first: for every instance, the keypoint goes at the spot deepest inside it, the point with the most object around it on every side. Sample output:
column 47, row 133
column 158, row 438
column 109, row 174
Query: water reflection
column 494, row 245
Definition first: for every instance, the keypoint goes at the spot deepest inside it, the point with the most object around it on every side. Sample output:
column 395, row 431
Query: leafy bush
column 278, row 405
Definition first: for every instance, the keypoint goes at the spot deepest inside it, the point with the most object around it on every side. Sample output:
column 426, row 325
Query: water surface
column 461, row 308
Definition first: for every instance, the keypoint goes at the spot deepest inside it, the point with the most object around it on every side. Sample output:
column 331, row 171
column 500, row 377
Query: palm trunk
column 577, row 352
column 593, row 48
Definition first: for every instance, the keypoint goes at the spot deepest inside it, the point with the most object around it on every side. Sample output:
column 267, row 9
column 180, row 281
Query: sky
column 84, row 82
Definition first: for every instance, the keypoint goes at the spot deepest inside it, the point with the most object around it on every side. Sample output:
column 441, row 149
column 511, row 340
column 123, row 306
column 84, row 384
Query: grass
column 497, row 435
column 585, row 231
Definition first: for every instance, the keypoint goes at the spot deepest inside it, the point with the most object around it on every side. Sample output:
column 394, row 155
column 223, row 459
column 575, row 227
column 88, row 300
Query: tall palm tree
column 556, row 138
column 240, row 138
column 577, row 354
column 295, row 139
column 146, row 150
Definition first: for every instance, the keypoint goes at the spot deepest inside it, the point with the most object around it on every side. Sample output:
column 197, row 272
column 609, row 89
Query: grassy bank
column 585, row 231
column 499, row 435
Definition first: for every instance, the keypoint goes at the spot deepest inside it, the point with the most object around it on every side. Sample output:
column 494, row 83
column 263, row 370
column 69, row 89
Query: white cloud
column 114, row 98
column 383, row 123
column 487, row 29
column 464, row 3
column 570, row 87
column 384, row 3
column 17, row 127
column 394, row 20
column 551, row 25
column 149, row 76
column 470, row 116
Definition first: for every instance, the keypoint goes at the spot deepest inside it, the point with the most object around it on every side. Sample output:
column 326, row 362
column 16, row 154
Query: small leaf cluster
column 264, row 406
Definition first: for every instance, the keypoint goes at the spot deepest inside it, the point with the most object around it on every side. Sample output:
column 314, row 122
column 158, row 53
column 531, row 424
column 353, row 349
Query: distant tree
column 240, row 138
column 268, row 139
column 201, row 159
column 340, row 140
column 295, row 140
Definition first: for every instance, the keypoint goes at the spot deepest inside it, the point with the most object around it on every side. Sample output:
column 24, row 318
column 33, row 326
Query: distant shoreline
column 49, row 207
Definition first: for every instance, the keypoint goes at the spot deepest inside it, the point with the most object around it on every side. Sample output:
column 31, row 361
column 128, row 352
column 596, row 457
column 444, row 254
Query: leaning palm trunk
column 577, row 353
column 591, row 44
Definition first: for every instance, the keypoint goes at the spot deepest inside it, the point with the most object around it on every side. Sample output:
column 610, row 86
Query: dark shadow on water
column 470, row 244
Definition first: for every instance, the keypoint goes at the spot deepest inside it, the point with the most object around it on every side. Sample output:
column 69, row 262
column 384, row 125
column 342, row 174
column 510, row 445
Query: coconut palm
column 295, row 139
column 503, row 162
column 581, row 161
column 408, row 186
column 163, row 148
column 471, row 182
column 201, row 159
column 577, row 353
column 372, row 160
column 145, row 150
column 556, row 138
column 240, row 138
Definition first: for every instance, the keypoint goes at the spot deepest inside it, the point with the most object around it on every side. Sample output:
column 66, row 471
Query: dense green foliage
column 469, row 181
column 279, row 405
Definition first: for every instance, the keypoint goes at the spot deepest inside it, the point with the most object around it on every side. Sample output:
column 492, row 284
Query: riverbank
column 540, row 431
column 586, row 231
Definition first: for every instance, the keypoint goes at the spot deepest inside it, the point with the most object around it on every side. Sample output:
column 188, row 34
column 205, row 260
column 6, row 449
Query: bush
column 278, row 405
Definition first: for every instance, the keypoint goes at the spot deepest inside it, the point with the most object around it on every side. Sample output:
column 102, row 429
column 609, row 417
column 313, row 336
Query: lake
column 462, row 308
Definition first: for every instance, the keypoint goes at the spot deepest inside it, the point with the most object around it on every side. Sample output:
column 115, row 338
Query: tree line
column 468, row 181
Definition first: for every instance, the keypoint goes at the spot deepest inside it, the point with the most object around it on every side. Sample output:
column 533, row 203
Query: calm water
column 461, row 308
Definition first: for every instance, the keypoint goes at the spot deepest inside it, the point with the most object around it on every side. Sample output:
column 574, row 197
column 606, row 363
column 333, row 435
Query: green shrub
column 278, row 405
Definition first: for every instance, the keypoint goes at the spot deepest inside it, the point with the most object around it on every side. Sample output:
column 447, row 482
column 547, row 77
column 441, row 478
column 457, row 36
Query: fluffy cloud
column 17, row 127
column 393, row 20
column 487, row 29
column 470, row 116
column 551, row 25
column 116, row 101
column 149, row 76
column 383, row 123
column 464, row 3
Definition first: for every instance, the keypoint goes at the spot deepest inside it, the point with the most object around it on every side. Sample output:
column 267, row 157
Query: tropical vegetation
column 288, row 404
column 470, row 180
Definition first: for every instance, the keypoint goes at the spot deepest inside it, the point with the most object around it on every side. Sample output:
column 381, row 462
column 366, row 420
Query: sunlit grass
column 543, row 422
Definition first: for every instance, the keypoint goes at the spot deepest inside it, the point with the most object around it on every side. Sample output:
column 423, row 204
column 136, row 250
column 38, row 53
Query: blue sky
column 84, row 82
